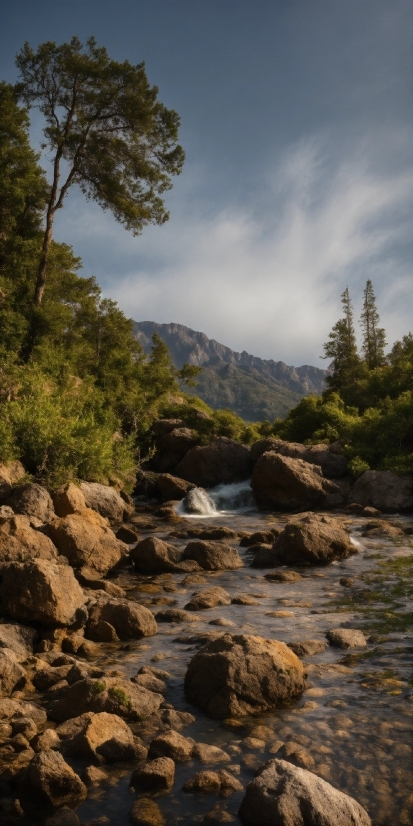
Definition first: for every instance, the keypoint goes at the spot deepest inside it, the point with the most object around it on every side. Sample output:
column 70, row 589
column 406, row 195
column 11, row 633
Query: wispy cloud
column 265, row 277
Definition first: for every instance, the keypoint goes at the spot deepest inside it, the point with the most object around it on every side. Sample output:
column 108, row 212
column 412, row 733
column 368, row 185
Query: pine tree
column 342, row 346
column 374, row 339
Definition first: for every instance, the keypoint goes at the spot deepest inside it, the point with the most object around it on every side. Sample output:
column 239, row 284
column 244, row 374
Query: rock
column 176, row 615
column 266, row 537
column 346, row 638
column 19, row 542
column 210, row 782
column 238, row 675
column 208, row 598
column 130, row 620
column 176, row 719
column 380, row 528
column 285, row 795
column 105, row 738
column 48, row 739
column 32, row 500
column 68, row 499
column 244, row 599
column 157, row 775
column 114, row 695
column 334, row 465
column 153, row 556
column 62, row 817
column 18, row 638
column 222, row 461
column 12, row 675
column 172, row 744
column 210, row 754
column 172, row 487
column 312, row 539
column 41, row 591
column 90, row 578
column 212, row 532
column 19, row 708
column 213, row 556
column 53, row 781
column 198, row 502
column 384, row 490
column 86, row 540
column 291, row 484
column 10, row 473
column 217, row 816
column 127, row 534
column 307, row 647
column 283, row 576
column 105, row 500
column 263, row 556
column 150, row 682
column 93, row 776
column 297, row 755
column 162, row 426
column 145, row 812
column 171, row 448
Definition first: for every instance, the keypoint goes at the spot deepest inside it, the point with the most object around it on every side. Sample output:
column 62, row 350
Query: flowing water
column 355, row 716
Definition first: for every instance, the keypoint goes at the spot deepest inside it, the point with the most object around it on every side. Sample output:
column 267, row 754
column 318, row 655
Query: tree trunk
column 41, row 274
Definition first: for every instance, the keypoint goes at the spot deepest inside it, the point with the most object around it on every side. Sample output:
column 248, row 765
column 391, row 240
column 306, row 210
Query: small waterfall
column 221, row 499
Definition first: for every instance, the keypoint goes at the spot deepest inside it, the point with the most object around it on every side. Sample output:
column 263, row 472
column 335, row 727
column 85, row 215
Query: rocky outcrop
column 239, row 675
column 114, row 695
column 312, row 539
column 385, row 491
column 222, row 461
column 329, row 457
column 171, row 448
column 292, row 484
column 105, row 500
column 20, row 542
column 86, row 539
column 128, row 619
column 41, row 591
column 172, row 487
column 32, row 500
column 286, row 795
column 213, row 556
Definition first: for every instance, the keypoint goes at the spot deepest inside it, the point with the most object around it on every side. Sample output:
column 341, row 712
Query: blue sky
column 297, row 124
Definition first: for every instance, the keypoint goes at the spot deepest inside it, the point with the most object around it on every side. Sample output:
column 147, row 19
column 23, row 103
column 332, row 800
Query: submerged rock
column 208, row 598
column 213, row 556
column 346, row 638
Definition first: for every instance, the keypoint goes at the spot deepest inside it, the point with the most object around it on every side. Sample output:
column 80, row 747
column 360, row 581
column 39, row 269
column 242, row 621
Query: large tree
column 105, row 131
column 341, row 346
column 374, row 338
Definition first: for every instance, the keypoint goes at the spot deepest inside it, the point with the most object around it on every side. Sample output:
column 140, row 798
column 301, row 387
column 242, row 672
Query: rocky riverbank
column 128, row 631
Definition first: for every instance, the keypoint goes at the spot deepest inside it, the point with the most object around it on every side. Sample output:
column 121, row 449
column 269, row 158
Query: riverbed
column 354, row 718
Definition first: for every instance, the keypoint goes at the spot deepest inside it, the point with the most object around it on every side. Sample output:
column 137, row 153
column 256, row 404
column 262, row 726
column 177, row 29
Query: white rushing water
column 234, row 498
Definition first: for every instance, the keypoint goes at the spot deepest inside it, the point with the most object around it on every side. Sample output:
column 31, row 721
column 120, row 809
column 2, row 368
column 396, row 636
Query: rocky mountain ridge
column 254, row 388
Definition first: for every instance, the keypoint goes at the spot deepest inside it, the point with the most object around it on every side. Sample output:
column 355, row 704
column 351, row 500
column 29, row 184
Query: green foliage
column 207, row 423
column 98, row 687
column 357, row 466
column 342, row 346
column 374, row 339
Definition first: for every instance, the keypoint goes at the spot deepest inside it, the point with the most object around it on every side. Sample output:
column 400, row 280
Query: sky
column 296, row 119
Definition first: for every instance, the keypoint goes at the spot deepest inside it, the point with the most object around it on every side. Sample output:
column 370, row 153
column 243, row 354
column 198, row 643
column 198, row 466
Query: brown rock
column 238, row 675
column 157, row 775
column 62, row 817
column 263, row 556
column 333, row 465
column 266, row 537
column 297, row 755
column 53, row 781
column 162, row 426
column 283, row 576
column 380, row 528
column 105, row 500
column 210, row 782
column 68, row 499
column 176, row 615
column 19, row 542
column 12, row 675
column 145, row 812
column 172, row 744
column 32, row 500
column 48, row 739
column 208, row 598
column 291, row 484
column 41, row 591
column 106, row 738
column 172, row 487
column 93, row 776
column 153, row 556
column 312, row 539
column 346, row 638
column 90, row 578
column 114, row 695
column 212, row 532
column 127, row 534
column 19, row 708
column 18, row 638
column 284, row 795
column 86, row 540
column 130, row 620
column 213, row 556
column 222, row 461
column 210, row 754
column 171, row 448
column 10, row 473
column 384, row 490
column 307, row 648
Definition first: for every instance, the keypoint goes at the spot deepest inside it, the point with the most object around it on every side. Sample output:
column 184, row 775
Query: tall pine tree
column 374, row 338
column 342, row 347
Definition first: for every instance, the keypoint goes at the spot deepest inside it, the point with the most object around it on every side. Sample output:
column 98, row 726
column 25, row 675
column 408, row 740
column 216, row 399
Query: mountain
column 254, row 388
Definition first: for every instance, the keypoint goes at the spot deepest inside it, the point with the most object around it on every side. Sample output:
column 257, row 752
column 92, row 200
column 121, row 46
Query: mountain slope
column 256, row 389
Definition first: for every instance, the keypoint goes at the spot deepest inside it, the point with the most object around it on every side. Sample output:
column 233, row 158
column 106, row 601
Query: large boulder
column 114, row 695
column 32, row 500
column 172, row 487
column 10, row 474
column 105, row 500
column 292, row 484
column 385, row 491
column 171, row 448
column 41, row 591
column 312, row 539
column 285, row 795
column 104, row 738
column 222, row 461
column 329, row 457
column 86, row 539
column 130, row 620
column 18, row 638
column 239, row 675
column 53, row 781
column 12, row 675
column 213, row 556
column 68, row 499
column 20, row 542
column 153, row 556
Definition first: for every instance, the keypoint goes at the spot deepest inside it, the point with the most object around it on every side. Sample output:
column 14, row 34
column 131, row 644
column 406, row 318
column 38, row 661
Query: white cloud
column 266, row 277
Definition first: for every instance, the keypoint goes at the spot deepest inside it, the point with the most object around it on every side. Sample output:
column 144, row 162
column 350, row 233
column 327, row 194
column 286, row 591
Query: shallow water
column 355, row 716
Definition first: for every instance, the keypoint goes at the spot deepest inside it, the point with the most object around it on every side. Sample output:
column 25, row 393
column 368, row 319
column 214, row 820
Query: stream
column 354, row 718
